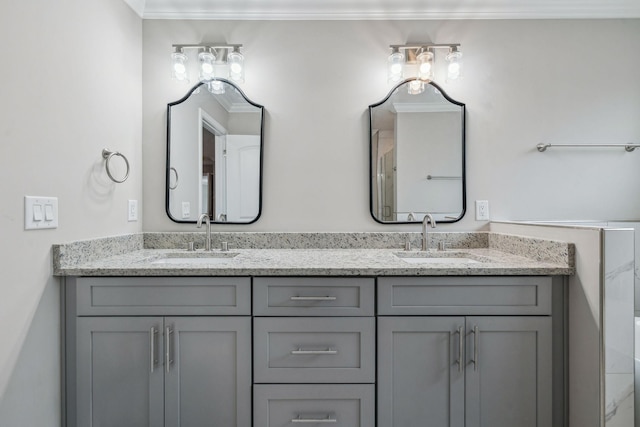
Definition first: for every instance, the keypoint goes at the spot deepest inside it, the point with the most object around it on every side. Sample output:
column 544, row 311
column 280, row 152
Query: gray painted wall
column 525, row 82
column 70, row 85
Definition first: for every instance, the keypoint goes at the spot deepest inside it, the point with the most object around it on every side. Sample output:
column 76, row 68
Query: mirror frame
column 463, row 142
column 168, row 153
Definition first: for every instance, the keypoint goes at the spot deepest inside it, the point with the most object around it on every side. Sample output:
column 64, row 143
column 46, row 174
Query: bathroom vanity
column 355, row 337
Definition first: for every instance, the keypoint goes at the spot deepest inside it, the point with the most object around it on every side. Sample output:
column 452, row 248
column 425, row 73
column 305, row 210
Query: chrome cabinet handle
column 312, row 298
column 168, row 360
column 460, row 360
column 301, row 351
column 476, row 341
column 153, row 333
column 328, row 419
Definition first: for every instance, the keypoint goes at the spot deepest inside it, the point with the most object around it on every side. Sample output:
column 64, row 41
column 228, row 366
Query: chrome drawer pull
column 301, row 351
column 319, row 298
column 168, row 360
column 153, row 332
column 460, row 360
column 328, row 419
column 476, row 340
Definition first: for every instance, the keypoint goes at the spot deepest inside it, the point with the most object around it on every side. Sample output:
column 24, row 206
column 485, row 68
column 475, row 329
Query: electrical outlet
column 186, row 210
column 132, row 213
column 482, row 210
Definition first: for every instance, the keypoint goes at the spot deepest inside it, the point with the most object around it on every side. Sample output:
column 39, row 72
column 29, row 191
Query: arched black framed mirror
column 214, row 155
column 417, row 155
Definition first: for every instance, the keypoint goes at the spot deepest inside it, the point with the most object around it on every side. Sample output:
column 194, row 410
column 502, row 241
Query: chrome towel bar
column 628, row 147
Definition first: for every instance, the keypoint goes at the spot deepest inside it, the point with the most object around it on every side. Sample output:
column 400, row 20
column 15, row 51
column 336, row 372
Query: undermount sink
column 199, row 258
column 436, row 258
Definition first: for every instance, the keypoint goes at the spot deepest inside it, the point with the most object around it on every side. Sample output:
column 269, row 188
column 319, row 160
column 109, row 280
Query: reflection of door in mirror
column 212, row 164
column 386, row 177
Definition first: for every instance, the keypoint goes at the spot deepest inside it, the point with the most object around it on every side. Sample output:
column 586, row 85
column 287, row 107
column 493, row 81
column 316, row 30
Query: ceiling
column 384, row 9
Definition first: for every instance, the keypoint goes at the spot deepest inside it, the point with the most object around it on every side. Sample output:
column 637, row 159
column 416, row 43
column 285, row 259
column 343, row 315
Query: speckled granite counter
column 312, row 254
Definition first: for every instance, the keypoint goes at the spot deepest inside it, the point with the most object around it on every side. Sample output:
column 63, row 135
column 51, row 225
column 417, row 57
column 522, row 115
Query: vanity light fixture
column 215, row 60
column 418, row 61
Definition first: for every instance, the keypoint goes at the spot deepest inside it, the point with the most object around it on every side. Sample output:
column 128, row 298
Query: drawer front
column 464, row 296
column 313, row 296
column 314, row 350
column 319, row 404
column 139, row 296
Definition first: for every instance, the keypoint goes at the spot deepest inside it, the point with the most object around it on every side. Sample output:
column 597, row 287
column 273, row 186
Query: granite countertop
column 147, row 254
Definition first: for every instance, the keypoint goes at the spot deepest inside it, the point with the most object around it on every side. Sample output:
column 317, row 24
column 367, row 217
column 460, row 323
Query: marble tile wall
column 618, row 308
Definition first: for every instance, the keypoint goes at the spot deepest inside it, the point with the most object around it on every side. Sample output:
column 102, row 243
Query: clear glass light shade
column 416, row 87
column 395, row 67
column 454, row 67
column 425, row 66
column 236, row 66
column 179, row 66
column 206, row 60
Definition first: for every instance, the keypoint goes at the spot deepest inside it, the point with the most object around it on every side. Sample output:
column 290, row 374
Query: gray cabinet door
column 508, row 375
column 117, row 383
column 208, row 379
column 420, row 380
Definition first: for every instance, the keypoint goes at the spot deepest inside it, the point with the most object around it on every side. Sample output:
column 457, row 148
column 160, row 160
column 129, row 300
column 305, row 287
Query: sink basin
column 436, row 258
column 196, row 258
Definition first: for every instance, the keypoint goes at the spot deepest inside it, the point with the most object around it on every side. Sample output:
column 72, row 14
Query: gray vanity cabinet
column 164, row 371
column 464, row 371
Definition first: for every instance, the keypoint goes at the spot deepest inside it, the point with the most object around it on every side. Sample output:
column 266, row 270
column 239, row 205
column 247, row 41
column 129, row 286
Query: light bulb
column 206, row 59
column 236, row 66
column 395, row 64
column 425, row 67
column 454, row 68
column 179, row 67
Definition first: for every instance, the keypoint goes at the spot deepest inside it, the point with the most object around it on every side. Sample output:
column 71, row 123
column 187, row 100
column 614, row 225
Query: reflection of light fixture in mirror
column 453, row 58
column 215, row 60
column 395, row 65
column 420, row 61
column 216, row 87
column 206, row 58
column 236, row 66
column 415, row 87
column 179, row 65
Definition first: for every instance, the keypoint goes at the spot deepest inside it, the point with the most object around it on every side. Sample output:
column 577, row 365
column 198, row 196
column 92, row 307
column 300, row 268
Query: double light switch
column 40, row 212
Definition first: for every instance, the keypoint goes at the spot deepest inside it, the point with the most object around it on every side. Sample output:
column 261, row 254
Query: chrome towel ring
column 107, row 155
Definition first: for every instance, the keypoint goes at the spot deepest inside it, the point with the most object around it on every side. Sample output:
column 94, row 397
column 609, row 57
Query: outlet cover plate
column 482, row 210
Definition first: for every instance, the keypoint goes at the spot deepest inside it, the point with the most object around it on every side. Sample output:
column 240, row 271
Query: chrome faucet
column 207, row 246
column 427, row 218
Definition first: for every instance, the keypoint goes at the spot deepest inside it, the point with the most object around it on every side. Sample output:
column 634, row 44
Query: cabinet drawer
column 314, row 350
column 313, row 296
column 338, row 405
column 464, row 295
column 140, row 296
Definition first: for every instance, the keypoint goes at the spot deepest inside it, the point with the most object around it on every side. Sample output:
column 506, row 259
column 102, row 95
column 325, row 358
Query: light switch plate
column 40, row 212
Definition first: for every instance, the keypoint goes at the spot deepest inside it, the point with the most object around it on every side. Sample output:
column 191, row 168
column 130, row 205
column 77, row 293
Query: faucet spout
column 428, row 218
column 205, row 217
